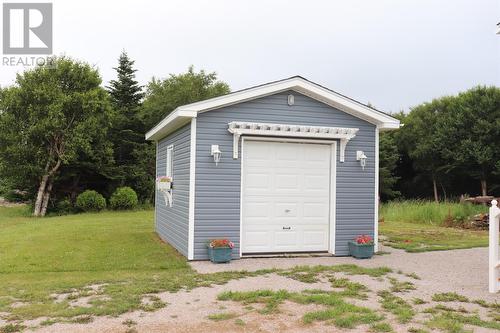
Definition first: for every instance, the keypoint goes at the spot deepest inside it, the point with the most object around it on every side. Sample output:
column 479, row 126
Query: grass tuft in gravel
column 381, row 327
column 418, row 301
column 12, row 328
column 417, row 330
column 400, row 286
column 310, row 274
column 85, row 319
column 446, row 324
column 239, row 322
column 129, row 322
column 351, row 289
column 449, row 297
column 494, row 306
column 397, row 306
column 453, row 320
column 338, row 312
column 344, row 315
column 222, row 316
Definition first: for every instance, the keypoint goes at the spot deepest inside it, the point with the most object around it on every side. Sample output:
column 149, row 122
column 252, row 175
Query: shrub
column 90, row 201
column 124, row 198
column 15, row 196
column 64, row 207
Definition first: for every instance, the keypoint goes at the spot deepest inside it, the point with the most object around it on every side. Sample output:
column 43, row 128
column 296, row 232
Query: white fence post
column 494, row 263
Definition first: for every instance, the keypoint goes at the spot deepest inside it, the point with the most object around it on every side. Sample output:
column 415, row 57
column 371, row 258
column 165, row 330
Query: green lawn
column 416, row 226
column 415, row 237
column 40, row 257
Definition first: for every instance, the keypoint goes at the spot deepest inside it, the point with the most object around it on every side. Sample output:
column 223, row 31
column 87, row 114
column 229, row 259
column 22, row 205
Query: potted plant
column 362, row 247
column 164, row 183
column 220, row 250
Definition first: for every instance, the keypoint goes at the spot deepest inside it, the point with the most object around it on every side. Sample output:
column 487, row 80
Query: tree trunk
column 43, row 187
column 40, row 195
column 46, row 197
column 434, row 186
column 484, row 188
column 444, row 192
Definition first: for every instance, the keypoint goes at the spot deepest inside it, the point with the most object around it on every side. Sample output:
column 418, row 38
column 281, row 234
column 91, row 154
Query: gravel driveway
column 460, row 271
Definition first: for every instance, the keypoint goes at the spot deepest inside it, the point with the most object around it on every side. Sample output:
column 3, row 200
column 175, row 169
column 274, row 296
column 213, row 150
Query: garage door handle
column 287, row 228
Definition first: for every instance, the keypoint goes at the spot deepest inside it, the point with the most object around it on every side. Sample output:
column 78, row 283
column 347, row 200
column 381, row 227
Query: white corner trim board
column 344, row 134
column 192, row 188
column 182, row 114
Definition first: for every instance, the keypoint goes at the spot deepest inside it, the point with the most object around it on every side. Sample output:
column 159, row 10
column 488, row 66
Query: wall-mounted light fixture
column 361, row 157
column 291, row 100
column 216, row 153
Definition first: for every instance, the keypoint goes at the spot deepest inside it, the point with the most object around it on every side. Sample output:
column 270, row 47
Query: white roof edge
column 299, row 84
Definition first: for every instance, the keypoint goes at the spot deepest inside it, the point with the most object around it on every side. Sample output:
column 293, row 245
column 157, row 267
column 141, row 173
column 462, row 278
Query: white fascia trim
column 344, row 134
column 375, row 229
column 176, row 114
column 297, row 84
column 303, row 86
column 192, row 187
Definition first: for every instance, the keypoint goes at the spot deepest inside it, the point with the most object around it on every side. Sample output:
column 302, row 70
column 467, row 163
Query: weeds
column 381, row 327
column 338, row 312
column 427, row 212
column 449, row 297
column 400, row 286
column 397, row 306
column 222, row 316
column 12, row 328
column 239, row 322
column 418, row 301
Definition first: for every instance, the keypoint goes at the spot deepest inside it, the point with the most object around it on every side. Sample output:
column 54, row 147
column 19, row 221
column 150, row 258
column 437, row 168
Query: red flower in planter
column 364, row 239
column 221, row 243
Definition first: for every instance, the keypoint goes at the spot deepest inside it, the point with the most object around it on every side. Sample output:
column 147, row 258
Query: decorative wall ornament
column 344, row 134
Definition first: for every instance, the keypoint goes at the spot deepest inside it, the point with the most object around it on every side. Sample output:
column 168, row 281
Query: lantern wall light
column 361, row 157
column 216, row 153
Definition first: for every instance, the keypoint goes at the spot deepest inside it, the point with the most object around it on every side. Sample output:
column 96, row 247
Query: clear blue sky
column 393, row 54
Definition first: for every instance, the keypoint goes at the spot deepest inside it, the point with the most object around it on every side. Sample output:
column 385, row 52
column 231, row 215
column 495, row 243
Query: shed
column 284, row 167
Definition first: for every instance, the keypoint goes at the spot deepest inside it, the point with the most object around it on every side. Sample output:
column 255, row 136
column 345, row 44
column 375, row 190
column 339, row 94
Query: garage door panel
column 316, row 210
column 286, row 181
column 257, row 181
column 257, row 209
column 293, row 201
column 286, row 210
column 286, row 239
column 317, row 183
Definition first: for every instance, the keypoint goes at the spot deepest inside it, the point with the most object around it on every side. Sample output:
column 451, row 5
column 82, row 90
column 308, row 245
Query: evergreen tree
column 126, row 93
column 127, row 134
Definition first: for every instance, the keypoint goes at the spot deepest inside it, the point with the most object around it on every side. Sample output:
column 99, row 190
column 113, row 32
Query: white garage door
column 286, row 197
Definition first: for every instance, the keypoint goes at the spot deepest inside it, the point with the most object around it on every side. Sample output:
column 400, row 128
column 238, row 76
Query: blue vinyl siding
column 217, row 199
column 172, row 222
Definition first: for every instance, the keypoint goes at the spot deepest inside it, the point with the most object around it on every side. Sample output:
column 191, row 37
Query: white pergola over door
column 286, row 197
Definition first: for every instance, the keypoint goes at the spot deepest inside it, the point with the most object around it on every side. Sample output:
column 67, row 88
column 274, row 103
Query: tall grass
column 427, row 212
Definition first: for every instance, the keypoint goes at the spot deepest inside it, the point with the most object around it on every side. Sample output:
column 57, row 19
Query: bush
column 124, row 198
column 64, row 207
column 15, row 196
column 89, row 201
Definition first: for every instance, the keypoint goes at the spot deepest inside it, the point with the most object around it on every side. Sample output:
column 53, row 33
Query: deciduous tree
column 48, row 117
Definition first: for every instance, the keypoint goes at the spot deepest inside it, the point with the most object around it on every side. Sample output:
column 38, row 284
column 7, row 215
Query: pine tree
column 126, row 93
column 127, row 132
